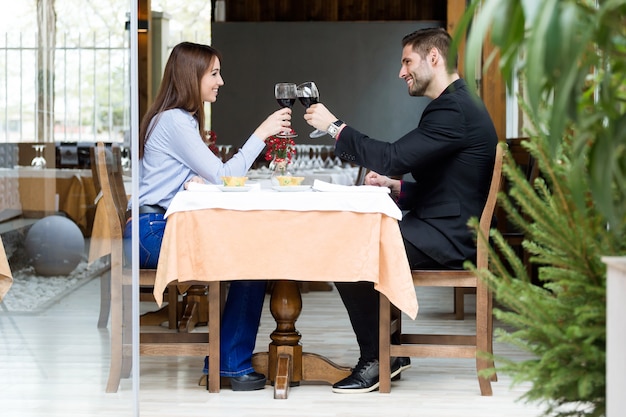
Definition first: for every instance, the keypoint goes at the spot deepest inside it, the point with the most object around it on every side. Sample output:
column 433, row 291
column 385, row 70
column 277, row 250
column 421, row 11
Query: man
column 450, row 155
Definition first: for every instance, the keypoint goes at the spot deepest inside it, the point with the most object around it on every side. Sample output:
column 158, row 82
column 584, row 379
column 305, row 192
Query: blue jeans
column 151, row 229
column 242, row 311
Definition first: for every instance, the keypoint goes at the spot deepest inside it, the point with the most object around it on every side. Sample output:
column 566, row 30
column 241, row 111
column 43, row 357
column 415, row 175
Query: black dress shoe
column 248, row 382
column 364, row 378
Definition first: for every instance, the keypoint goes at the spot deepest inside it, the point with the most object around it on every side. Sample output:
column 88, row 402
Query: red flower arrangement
column 280, row 149
column 210, row 137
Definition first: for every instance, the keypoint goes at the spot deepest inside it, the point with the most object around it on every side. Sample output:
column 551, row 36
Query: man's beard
column 418, row 88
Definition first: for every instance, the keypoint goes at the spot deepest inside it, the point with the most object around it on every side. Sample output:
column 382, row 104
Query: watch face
column 333, row 128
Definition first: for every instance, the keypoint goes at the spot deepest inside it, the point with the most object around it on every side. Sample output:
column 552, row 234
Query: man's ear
column 433, row 55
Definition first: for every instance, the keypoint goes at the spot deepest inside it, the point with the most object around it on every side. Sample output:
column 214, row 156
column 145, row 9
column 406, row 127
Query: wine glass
column 309, row 94
column 285, row 94
column 38, row 161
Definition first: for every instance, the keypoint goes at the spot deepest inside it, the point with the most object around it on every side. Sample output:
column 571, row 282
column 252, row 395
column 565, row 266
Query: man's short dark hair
column 423, row 40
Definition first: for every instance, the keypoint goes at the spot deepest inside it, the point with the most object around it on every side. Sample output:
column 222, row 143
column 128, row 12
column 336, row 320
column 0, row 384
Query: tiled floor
column 55, row 364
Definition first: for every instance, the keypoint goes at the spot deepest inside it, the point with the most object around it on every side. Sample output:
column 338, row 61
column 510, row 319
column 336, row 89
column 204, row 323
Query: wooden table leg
column 284, row 363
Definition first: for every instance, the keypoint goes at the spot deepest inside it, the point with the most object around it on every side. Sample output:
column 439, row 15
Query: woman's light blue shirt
column 175, row 152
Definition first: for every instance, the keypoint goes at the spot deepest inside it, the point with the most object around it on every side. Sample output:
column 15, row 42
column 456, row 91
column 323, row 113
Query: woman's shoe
column 248, row 382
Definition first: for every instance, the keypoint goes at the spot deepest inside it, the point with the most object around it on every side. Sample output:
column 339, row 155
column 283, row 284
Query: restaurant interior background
column 351, row 49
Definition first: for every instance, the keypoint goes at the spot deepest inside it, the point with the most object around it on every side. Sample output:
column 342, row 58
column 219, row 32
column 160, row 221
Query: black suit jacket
column 450, row 155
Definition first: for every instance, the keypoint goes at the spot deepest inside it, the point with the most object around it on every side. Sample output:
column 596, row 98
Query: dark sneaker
column 364, row 378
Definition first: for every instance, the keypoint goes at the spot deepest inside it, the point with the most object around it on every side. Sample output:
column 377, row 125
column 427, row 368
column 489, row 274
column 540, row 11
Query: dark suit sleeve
column 440, row 133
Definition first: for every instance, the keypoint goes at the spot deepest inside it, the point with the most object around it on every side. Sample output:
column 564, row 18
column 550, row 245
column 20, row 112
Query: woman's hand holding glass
column 285, row 94
column 279, row 121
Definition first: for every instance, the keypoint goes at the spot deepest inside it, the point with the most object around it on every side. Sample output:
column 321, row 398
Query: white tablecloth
column 367, row 201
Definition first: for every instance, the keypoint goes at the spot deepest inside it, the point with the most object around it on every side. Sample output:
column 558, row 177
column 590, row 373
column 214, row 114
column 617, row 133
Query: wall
column 354, row 64
column 333, row 10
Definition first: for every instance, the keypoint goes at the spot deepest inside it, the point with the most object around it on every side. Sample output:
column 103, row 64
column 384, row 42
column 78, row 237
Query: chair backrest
column 111, row 167
column 108, row 197
column 482, row 254
column 94, row 169
column 116, row 175
column 527, row 163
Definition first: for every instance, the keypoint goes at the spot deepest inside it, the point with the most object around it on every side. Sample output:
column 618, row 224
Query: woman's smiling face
column 211, row 82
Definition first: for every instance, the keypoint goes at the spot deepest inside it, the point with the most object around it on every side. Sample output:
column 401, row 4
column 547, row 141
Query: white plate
column 291, row 187
column 239, row 189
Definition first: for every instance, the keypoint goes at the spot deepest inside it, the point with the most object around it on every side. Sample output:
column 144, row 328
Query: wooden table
column 287, row 237
column 43, row 192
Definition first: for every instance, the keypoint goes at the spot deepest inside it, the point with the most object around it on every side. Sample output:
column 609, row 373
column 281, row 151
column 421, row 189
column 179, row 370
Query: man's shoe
column 399, row 364
column 364, row 378
column 248, row 382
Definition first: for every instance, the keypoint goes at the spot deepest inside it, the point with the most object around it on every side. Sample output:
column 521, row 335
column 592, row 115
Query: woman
column 171, row 154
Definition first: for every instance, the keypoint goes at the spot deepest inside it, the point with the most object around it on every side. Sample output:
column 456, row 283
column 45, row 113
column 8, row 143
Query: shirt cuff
column 339, row 133
column 402, row 194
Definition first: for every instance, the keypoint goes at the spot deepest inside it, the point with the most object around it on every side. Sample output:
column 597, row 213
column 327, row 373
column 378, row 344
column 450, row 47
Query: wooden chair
column 163, row 342
column 514, row 237
column 172, row 312
column 448, row 346
column 113, row 166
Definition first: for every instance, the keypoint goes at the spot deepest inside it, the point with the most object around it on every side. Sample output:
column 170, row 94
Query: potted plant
column 571, row 56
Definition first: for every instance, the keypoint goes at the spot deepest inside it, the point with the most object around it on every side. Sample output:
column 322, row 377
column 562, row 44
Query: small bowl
column 285, row 180
column 234, row 181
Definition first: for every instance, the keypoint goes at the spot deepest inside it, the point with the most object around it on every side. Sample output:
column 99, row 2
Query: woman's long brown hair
column 180, row 86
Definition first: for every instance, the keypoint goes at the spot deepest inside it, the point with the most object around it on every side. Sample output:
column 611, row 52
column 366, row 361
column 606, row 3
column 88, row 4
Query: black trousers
column 362, row 303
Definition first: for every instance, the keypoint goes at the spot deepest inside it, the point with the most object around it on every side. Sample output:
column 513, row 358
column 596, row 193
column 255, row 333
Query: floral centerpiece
column 280, row 152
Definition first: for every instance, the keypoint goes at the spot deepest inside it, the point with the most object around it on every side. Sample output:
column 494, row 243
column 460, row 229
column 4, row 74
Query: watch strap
column 333, row 128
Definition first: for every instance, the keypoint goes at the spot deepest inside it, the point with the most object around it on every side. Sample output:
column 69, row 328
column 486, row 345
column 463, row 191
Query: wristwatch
column 333, row 128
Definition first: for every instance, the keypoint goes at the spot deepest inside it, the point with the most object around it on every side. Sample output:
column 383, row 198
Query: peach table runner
column 6, row 278
column 204, row 244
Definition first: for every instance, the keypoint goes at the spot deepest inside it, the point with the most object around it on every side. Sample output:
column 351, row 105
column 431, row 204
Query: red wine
column 307, row 101
column 286, row 102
